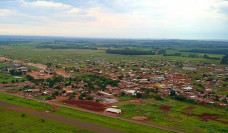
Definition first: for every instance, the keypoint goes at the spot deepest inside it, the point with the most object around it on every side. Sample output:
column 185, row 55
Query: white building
column 113, row 110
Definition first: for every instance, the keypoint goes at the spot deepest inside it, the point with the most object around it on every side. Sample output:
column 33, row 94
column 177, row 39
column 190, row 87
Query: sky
column 151, row 19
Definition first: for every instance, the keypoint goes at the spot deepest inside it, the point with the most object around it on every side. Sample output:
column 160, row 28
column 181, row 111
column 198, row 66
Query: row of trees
column 128, row 51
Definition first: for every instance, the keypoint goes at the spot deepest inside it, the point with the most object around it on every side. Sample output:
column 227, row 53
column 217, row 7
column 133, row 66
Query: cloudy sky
column 177, row 19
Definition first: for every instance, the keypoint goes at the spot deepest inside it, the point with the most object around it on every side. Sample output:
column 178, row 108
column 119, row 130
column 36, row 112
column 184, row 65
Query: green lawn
column 17, row 122
column 25, row 102
column 175, row 118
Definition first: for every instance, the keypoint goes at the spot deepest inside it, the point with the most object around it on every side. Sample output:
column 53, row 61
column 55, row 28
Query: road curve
column 61, row 119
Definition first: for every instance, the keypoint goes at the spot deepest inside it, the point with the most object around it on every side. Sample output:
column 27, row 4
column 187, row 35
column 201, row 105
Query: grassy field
column 80, row 115
column 106, row 121
column 25, row 102
column 175, row 117
column 17, row 122
column 72, row 56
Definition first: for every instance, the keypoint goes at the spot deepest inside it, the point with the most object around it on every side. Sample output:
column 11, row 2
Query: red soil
column 165, row 108
column 189, row 108
column 206, row 117
column 89, row 105
column 139, row 118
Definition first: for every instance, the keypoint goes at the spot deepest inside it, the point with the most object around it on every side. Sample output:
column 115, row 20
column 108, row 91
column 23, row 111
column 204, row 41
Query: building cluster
column 202, row 83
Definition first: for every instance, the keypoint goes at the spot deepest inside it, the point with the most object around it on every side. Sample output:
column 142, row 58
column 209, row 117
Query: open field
column 105, row 121
column 179, row 115
column 72, row 56
column 25, row 102
column 83, row 116
column 12, row 121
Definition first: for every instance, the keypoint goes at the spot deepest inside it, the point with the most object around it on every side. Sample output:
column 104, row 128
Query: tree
column 224, row 60
column 72, row 95
column 89, row 98
column 56, row 93
column 122, row 94
column 49, row 65
column 172, row 93
column 139, row 95
column 12, row 72
column 29, row 78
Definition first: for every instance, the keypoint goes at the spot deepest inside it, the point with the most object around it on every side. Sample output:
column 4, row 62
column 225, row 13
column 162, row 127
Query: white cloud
column 41, row 3
column 73, row 11
column 122, row 18
column 5, row 12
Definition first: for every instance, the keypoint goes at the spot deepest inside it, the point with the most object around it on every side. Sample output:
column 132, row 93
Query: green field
column 175, row 118
column 106, row 121
column 25, row 102
column 17, row 122
column 80, row 115
column 72, row 56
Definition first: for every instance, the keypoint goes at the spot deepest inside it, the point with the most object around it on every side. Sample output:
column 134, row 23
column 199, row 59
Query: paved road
column 59, row 118
column 120, row 118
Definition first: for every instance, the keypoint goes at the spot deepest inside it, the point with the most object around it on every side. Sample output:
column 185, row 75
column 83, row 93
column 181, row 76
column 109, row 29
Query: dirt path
column 59, row 118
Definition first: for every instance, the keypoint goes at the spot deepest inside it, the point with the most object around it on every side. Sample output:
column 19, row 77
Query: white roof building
column 187, row 88
column 113, row 110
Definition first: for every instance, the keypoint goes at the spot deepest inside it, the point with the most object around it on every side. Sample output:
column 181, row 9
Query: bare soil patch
column 165, row 108
column 140, row 118
column 206, row 117
column 89, row 105
column 38, row 75
column 190, row 108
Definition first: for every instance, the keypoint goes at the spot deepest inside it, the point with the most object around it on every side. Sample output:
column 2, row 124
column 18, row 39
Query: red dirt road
column 46, row 115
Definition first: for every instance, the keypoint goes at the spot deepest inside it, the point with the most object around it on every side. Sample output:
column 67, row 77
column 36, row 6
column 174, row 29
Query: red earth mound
column 165, row 108
column 89, row 105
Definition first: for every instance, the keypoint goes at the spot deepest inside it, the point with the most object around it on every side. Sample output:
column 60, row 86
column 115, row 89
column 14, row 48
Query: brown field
column 165, row 108
column 89, row 105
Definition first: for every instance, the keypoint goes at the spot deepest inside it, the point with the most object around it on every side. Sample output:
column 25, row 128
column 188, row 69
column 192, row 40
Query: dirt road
column 46, row 115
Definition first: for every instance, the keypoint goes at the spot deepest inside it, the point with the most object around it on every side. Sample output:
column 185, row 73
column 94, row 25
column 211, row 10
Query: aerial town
column 105, row 83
